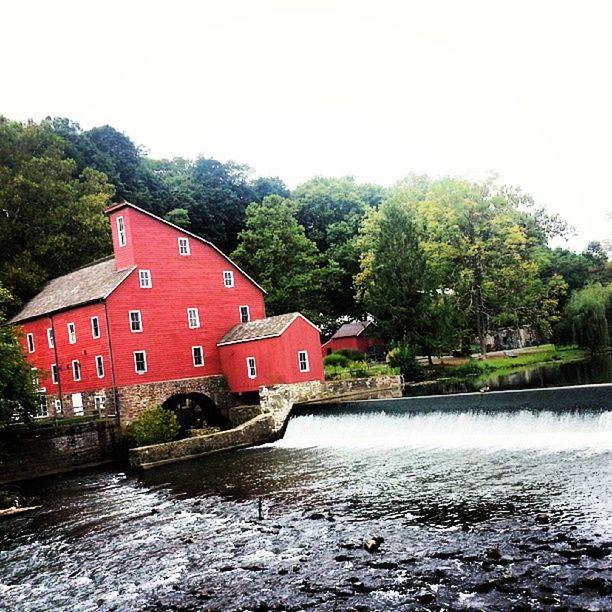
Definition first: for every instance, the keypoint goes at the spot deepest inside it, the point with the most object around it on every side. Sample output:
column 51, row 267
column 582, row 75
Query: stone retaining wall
column 255, row 431
column 278, row 400
column 266, row 422
column 44, row 450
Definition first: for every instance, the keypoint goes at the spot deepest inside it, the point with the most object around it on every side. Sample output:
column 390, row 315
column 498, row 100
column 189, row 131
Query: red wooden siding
column 84, row 350
column 276, row 358
column 178, row 282
column 357, row 343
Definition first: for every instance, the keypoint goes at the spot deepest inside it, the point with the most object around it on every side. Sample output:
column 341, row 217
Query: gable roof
column 88, row 284
column 261, row 328
column 124, row 204
column 348, row 330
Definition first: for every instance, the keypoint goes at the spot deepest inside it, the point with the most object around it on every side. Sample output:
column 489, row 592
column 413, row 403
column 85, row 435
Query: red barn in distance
column 357, row 336
column 167, row 315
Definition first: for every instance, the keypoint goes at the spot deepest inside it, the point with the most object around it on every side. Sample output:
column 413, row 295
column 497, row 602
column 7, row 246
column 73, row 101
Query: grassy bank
column 531, row 357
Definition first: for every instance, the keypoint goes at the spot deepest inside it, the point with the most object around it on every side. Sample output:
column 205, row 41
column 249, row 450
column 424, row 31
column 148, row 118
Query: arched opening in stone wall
column 195, row 411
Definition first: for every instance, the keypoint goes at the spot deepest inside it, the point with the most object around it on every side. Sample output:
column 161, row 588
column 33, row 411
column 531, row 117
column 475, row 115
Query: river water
column 478, row 511
column 596, row 370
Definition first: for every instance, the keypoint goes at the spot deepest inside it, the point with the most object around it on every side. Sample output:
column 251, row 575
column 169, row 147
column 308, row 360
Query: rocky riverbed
column 345, row 526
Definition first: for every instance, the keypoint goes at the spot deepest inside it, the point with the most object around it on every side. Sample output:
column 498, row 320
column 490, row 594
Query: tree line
column 435, row 261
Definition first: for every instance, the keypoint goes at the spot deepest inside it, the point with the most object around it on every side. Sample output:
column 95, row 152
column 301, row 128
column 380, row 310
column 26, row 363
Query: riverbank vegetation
column 437, row 263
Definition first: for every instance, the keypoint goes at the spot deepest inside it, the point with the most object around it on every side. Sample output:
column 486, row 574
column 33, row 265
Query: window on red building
column 251, row 367
column 95, row 327
column 303, row 361
column 140, row 362
column 198, row 356
column 135, row 321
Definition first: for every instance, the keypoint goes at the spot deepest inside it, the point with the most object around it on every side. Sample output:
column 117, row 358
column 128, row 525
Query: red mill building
column 168, row 315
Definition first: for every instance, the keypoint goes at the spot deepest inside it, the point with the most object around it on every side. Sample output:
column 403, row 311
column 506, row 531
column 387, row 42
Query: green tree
column 589, row 315
column 392, row 283
column 480, row 243
column 275, row 251
column 331, row 211
column 17, row 393
column 178, row 216
column 52, row 216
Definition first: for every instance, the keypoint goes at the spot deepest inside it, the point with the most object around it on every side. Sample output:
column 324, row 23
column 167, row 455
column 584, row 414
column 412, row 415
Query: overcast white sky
column 371, row 89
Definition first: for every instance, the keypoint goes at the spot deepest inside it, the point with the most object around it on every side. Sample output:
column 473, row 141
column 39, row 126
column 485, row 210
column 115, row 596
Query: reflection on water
column 492, row 511
column 596, row 370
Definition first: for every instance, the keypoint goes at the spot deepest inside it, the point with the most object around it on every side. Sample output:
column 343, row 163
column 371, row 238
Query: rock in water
column 373, row 544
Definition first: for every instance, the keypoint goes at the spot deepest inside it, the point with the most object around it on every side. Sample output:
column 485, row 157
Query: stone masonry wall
column 255, row 431
column 278, row 400
column 133, row 400
column 267, row 421
column 53, row 449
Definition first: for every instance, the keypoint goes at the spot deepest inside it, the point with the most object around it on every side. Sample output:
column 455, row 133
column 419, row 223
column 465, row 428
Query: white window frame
column 72, row 338
column 228, row 278
column 251, row 367
column 305, row 361
column 138, row 320
column 42, row 406
column 95, row 327
column 121, row 237
column 144, row 359
column 247, row 311
column 54, row 373
column 195, row 319
column 77, row 404
column 59, row 409
column 145, row 279
column 100, row 404
column 183, row 246
column 50, row 338
column 34, row 375
column 100, row 366
column 74, row 371
column 193, row 356
column 30, row 341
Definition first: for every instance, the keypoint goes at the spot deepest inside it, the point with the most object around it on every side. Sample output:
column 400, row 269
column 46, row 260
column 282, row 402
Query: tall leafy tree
column 17, row 393
column 480, row 240
column 331, row 211
column 392, row 282
column 51, row 215
column 274, row 249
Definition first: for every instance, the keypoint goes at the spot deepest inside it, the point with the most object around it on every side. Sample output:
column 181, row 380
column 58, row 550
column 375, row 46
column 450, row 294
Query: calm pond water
column 591, row 371
column 478, row 511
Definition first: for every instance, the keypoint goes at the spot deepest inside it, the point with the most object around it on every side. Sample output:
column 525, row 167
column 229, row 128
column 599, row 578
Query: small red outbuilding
column 281, row 349
column 357, row 336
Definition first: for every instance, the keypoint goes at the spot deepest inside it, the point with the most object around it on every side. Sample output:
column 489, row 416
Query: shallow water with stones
column 478, row 511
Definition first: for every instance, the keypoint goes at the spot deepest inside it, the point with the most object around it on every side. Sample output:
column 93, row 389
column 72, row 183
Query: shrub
column 470, row 368
column 154, row 426
column 404, row 359
column 336, row 359
column 351, row 354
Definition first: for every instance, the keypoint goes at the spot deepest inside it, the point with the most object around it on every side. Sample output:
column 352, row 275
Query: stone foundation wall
column 42, row 450
column 255, row 431
column 241, row 414
column 278, row 400
column 104, row 407
column 133, row 400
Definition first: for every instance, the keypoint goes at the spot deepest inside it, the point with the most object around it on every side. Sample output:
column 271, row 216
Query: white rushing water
column 545, row 431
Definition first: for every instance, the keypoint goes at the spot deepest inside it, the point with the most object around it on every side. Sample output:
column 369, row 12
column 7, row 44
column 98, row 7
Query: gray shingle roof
column 261, row 328
column 88, row 284
column 348, row 330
